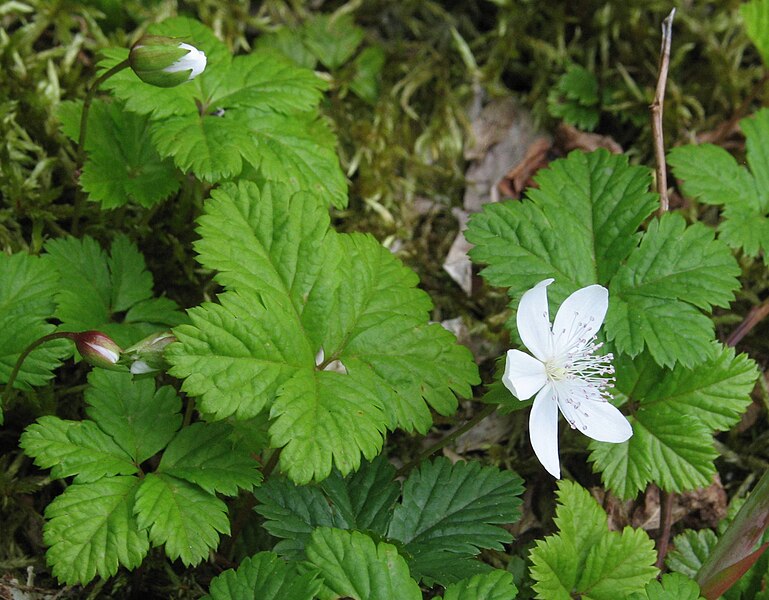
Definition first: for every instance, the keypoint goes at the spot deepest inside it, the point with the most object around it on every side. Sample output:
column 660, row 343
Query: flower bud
column 165, row 62
column 98, row 350
column 146, row 356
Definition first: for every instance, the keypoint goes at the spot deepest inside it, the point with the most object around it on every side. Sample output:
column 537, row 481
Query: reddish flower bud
column 98, row 349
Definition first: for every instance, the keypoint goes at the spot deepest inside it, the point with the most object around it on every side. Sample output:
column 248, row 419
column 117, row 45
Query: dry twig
column 656, row 109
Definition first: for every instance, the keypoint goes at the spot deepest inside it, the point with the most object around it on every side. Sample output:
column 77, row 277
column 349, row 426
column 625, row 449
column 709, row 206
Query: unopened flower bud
column 165, row 62
column 147, row 356
column 98, row 349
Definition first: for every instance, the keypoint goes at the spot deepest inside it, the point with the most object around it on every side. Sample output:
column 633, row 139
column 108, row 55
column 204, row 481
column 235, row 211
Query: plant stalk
column 656, row 109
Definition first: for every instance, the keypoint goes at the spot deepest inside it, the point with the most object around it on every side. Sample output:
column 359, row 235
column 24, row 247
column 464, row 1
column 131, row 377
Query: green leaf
column 672, row 586
column 579, row 226
column 75, row 448
column 122, row 165
column 690, row 549
column 141, row 420
column 657, row 296
column 756, row 17
column 28, row 285
column 496, row 585
column 96, row 288
column 202, row 453
column 333, row 39
column 299, row 288
column 575, row 98
column 586, row 559
column 363, row 500
column 368, row 69
column 287, row 41
column 454, row 511
column 264, row 576
column 668, row 447
column 180, row 515
column 353, row 566
column 90, row 531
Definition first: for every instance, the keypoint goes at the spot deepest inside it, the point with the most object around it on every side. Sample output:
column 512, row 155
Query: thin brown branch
column 753, row 318
column 656, row 110
column 666, row 523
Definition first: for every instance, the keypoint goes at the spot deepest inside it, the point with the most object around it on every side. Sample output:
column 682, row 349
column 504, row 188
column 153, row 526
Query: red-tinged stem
column 666, row 523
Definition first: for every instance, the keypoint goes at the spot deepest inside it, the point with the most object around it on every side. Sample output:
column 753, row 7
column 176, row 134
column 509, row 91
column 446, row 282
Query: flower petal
column 543, row 430
column 533, row 320
column 597, row 419
column 581, row 314
column 524, row 375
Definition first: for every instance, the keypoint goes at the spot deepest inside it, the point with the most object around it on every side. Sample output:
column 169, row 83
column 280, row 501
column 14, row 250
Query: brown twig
column 666, row 523
column 753, row 318
column 656, row 109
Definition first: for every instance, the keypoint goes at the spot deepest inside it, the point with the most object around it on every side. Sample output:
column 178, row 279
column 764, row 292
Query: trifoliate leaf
column 579, row 226
column 453, row 511
column 28, row 286
column 657, row 295
column 298, row 288
column 202, row 453
column 496, row 585
column 75, row 448
column 96, row 288
column 332, row 38
column 180, row 515
column 363, row 500
column 756, row 17
column 689, row 551
column 713, row 176
column 672, row 586
column 122, row 165
column 586, row 559
column 353, row 566
column 139, row 419
column 90, row 530
column 264, row 576
column 668, row 447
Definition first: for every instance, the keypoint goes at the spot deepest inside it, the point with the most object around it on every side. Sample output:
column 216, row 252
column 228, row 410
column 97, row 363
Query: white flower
column 565, row 372
column 194, row 60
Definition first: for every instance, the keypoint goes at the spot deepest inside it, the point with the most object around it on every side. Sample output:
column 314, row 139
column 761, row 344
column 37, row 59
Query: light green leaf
column 202, row 453
column 586, row 559
column 756, row 17
column 298, row 288
column 332, row 38
column 672, row 586
column 75, row 448
column 264, row 576
column 657, row 295
column 288, row 41
column 28, row 285
column 140, row 420
column 368, row 68
column 122, row 165
column 496, row 585
column 95, row 288
column 578, row 227
column 353, row 566
column 90, row 531
column 180, row 515
column 454, row 511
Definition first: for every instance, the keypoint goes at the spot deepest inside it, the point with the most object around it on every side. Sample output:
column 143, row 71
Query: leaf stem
column 656, row 109
column 22, row 357
column 490, row 408
column 666, row 522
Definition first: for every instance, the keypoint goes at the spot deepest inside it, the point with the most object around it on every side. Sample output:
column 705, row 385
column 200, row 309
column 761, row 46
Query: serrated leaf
column 454, row 510
column 202, row 453
column 28, row 285
column 496, row 585
column 90, row 531
column 332, row 38
column 96, row 287
column 601, row 565
column 669, row 448
column 672, row 586
column 75, row 448
column 180, row 515
column 141, row 420
column 657, row 295
column 122, row 164
column 288, row 41
column 689, row 551
column 578, row 227
column 298, row 288
column 353, row 566
column 756, row 17
column 264, row 576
